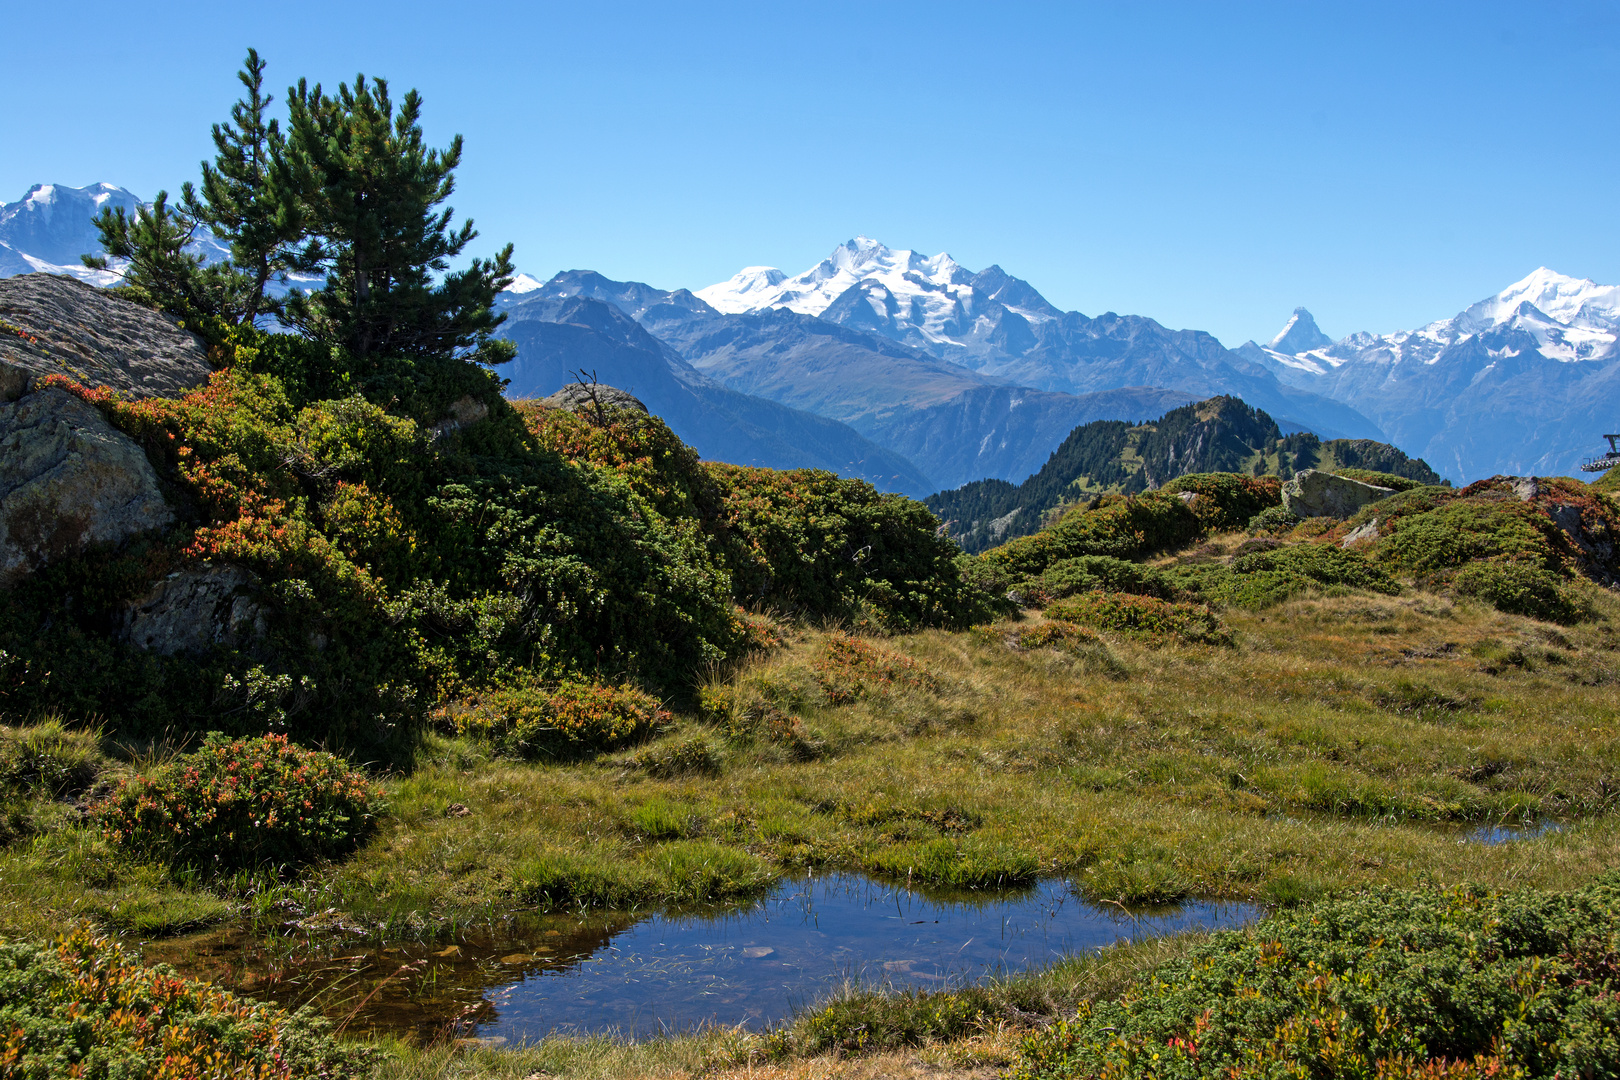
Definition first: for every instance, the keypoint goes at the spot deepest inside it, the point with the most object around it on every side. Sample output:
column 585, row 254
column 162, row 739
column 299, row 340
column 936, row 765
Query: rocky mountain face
column 1522, row 382
column 49, row 228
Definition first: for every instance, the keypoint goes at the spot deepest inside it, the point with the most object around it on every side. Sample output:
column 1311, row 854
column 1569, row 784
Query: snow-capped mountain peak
column 1576, row 302
column 524, row 283
column 935, row 280
column 1300, row 334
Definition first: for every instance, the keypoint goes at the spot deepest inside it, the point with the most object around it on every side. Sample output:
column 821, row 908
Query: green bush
column 1145, row 616
column 1124, row 527
column 242, row 804
column 85, row 1008
column 1466, row 530
column 1273, row 520
column 809, row 540
column 1518, row 589
column 1262, row 578
column 1096, row 573
column 1435, row 982
column 1228, row 501
column 563, row 721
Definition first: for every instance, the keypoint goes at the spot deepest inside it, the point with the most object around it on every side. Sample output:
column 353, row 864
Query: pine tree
column 246, row 198
column 370, row 189
column 161, row 273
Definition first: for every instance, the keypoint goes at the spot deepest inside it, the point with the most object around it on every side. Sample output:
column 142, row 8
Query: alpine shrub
column 850, row 668
column 1053, row 632
column 1518, row 589
column 1275, row 519
column 1227, row 501
column 1433, row 982
column 1124, row 527
column 1145, row 616
column 85, row 1007
column 1097, row 573
column 570, row 719
column 242, row 804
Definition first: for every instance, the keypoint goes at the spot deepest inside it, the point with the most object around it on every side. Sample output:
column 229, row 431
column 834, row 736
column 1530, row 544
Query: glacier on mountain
column 1521, row 382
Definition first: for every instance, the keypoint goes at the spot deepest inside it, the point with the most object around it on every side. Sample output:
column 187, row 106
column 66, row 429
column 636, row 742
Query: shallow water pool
column 672, row 972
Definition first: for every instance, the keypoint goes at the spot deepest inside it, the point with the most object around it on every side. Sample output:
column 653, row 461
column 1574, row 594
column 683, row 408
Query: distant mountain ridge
column 1222, row 434
column 1001, row 327
column 954, row 424
column 1521, row 382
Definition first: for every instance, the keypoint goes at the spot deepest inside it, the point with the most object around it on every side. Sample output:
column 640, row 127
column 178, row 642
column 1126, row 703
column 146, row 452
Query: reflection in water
column 640, row 977
column 1502, row 834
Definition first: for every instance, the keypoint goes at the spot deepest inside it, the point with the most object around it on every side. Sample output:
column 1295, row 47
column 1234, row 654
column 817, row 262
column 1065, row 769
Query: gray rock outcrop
column 1314, row 493
column 93, row 336
column 191, row 611
column 68, row 481
column 576, row 397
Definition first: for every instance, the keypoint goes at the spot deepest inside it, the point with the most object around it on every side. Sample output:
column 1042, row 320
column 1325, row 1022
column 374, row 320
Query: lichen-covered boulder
column 191, row 611
column 1314, row 493
column 54, row 325
column 69, row 481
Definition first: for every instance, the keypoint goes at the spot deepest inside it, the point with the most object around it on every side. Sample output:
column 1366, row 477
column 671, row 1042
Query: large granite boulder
column 191, row 611
column 1314, row 493
column 53, row 325
column 68, row 481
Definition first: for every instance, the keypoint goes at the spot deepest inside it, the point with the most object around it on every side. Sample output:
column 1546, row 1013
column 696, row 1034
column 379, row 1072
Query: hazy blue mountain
column 559, row 336
column 953, row 423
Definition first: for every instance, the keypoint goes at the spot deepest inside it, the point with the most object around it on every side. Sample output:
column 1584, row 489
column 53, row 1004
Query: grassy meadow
column 1338, row 740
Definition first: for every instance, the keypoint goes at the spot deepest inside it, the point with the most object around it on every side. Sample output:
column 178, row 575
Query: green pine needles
column 349, row 190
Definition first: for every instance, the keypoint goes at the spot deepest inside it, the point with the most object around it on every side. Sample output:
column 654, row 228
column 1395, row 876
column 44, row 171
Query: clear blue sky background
column 1210, row 165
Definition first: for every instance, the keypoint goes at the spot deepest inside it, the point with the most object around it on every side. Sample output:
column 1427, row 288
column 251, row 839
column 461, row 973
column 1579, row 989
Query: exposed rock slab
column 94, row 337
column 1314, row 493
column 577, row 398
column 191, row 611
column 68, row 481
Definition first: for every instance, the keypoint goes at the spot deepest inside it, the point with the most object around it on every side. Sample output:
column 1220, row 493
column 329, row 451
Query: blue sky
column 1209, row 165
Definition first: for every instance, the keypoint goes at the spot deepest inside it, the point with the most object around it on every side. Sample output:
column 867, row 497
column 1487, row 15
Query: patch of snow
column 523, row 283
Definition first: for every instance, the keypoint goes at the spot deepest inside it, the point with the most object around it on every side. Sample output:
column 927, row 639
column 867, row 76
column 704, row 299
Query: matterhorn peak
column 1301, row 334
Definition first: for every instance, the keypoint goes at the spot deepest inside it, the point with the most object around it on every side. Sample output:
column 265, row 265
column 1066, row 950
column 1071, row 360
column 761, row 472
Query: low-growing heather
column 1272, row 521
column 1050, row 634
column 1144, row 616
column 1464, row 530
column 562, row 721
column 850, row 668
column 242, row 804
column 1265, row 577
column 1432, row 982
column 85, row 1008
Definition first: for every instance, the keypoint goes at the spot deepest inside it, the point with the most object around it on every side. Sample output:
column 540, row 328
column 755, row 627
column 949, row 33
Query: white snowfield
column 928, row 293
column 1570, row 319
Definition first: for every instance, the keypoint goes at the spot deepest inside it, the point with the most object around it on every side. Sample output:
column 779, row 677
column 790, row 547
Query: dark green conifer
column 371, row 188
